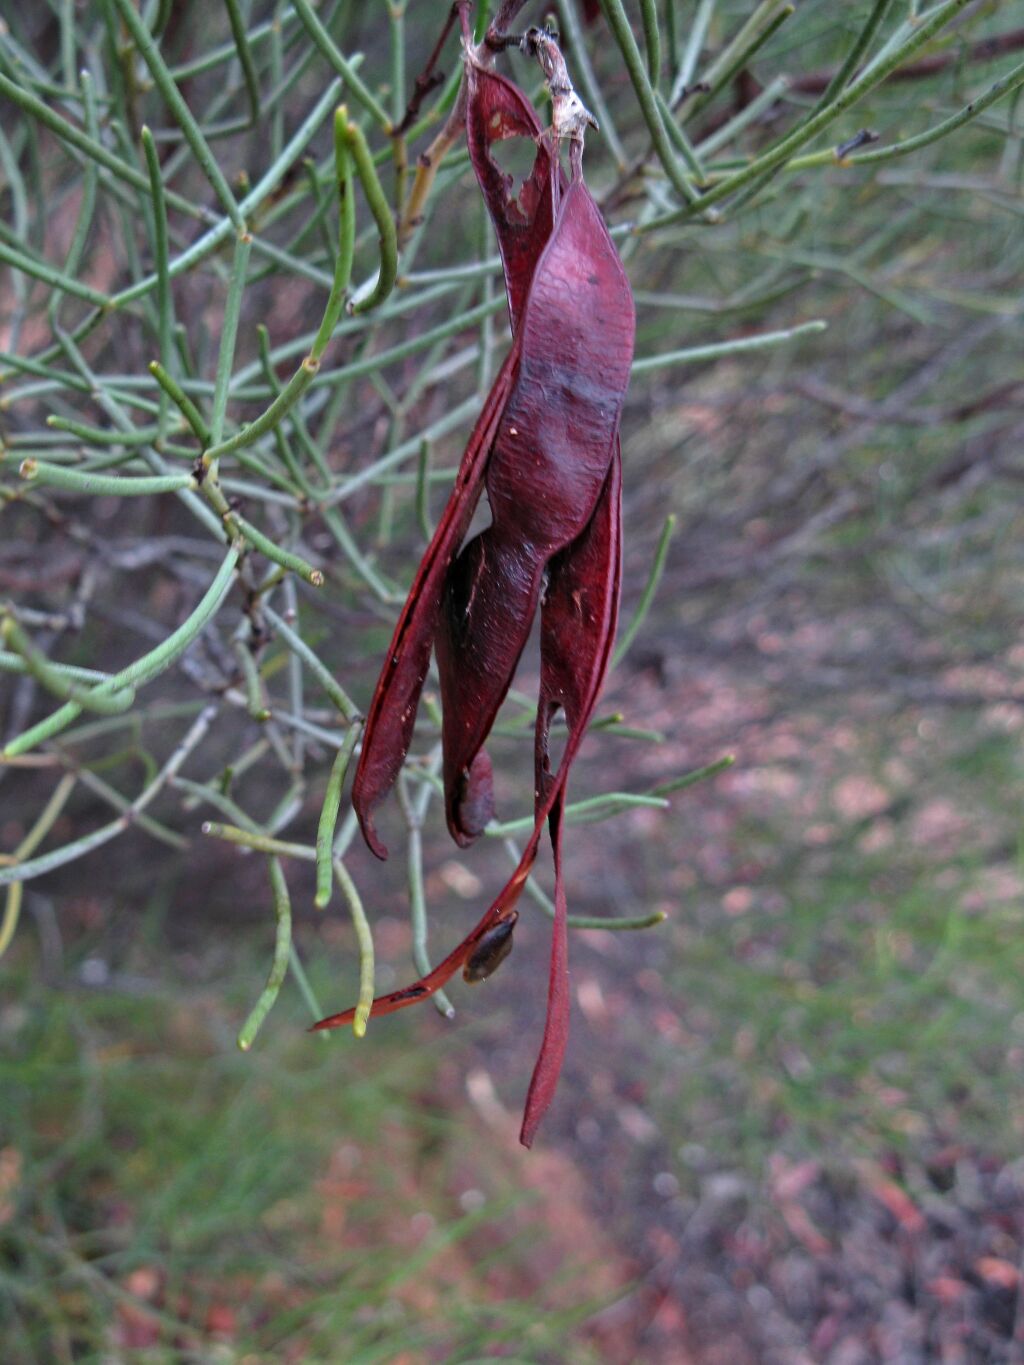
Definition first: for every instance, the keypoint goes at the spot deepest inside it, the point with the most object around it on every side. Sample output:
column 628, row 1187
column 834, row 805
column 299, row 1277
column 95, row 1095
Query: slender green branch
column 601, row 807
column 95, row 151
column 228, row 337
column 255, row 696
column 355, row 142
column 58, row 857
column 721, row 137
column 681, row 143
column 173, row 390
column 67, row 853
column 346, row 231
column 316, row 666
column 855, row 55
column 652, row 40
column 293, row 562
column 279, row 965
column 262, row 190
column 691, row 54
column 766, row 19
column 316, row 1010
column 161, row 833
column 678, row 784
column 364, row 938
column 623, row 34
column 1013, row 80
column 57, row 684
column 241, row 38
column 15, row 663
column 329, row 817
column 102, row 485
column 672, row 37
column 650, row 588
column 783, row 151
column 86, row 208
column 414, row 815
column 144, row 669
column 208, row 794
column 310, row 365
column 260, row 843
column 615, row 923
column 101, row 436
column 150, row 52
column 56, row 279
column 381, row 588
column 715, row 350
column 345, row 66
column 45, row 821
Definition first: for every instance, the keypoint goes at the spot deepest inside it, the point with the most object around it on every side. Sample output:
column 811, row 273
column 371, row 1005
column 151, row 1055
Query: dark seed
column 490, row 952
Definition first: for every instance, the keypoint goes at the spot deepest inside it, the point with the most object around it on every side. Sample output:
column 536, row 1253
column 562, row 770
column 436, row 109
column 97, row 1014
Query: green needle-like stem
column 180, row 398
column 316, row 666
column 414, row 814
column 282, row 951
column 241, row 37
column 855, row 55
column 300, row 381
column 714, row 350
column 345, row 67
column 623, row 34
column 161, row 253
column 45, row 822
column 783, row 151
column 293, row 562
column 149, row 50
column 650, row 588
column 57, row 684
column 260, row 843
column 102, row 485
column 752, row 36
column 329, row 818
column 652, row 40
column 144, row 669
column 364, row 939
column 355, row 142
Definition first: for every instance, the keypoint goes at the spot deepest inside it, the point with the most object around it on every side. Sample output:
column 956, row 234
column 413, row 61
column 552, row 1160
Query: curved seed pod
column 496, row 110
column 547, row 448
column 599, row 552
column 550, row 457
column 578, row 621
column 392, row 713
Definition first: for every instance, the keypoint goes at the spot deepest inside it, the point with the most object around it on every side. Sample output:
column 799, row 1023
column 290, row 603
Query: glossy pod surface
column 546, row 448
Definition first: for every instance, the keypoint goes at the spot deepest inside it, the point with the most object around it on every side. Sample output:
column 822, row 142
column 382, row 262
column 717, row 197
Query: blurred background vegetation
column 790, row 1124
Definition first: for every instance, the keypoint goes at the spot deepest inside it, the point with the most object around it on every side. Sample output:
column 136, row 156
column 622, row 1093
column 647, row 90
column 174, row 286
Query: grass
column 860, row 991
column 163, row 1196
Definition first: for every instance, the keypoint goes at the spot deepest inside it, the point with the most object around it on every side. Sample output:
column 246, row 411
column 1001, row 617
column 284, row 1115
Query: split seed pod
column 546, row 448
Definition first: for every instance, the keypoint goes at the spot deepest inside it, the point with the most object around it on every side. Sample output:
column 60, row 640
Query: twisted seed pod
column 546, row 447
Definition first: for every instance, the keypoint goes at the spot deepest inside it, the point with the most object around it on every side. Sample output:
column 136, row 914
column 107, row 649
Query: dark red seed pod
column 546, row 447
column 496, row 110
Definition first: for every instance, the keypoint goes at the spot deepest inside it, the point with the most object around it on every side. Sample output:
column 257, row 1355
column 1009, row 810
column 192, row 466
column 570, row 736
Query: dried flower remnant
column 546, row 448
column 570, row 118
